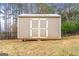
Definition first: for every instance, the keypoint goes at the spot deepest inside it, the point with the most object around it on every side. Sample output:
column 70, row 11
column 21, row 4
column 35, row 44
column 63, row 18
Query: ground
column 67, row 46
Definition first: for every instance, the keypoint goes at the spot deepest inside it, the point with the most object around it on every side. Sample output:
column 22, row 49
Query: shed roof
column 39, row 15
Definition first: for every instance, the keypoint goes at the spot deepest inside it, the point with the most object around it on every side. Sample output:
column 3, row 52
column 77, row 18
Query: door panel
column 42, row 33
column 42, row 23
column 34, row 23
column 38, row 28
column 34, row 33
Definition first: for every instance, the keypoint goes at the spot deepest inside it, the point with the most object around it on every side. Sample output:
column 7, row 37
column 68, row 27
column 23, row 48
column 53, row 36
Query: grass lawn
column 68, row 46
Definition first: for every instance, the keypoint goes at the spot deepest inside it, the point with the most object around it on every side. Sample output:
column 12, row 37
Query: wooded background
column 9, row 11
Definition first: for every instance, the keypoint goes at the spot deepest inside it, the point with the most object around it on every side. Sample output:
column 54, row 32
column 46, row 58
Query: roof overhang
column 39, row 15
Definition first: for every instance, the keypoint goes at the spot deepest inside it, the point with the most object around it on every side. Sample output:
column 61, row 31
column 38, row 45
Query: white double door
column 38, row 28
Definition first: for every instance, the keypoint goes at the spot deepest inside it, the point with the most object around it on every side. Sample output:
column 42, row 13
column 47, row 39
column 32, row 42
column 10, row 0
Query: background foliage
column 69, row 15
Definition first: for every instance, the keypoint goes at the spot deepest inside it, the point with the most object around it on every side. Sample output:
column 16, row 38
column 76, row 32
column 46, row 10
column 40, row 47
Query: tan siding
column 23, row 29
column 54, row 28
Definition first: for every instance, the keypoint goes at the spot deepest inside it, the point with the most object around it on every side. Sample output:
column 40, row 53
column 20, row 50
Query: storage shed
column 39, row 26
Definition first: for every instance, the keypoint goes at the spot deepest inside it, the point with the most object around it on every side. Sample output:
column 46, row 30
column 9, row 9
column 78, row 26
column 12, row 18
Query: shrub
column 69, row 27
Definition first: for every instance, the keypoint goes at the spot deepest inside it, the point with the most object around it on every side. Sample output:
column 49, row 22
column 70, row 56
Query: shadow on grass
column 3, row 54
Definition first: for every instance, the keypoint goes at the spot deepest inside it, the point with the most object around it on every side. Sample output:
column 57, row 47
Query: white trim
column 53, row 15
column 38, row 28
column 46, row 23
column 60, row 26
column 38, row 19
column 30, row 28
column 46, row 32
column 46, row 28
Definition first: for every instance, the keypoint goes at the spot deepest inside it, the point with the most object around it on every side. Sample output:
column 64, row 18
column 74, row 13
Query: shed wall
column 23, row 28
column 54, row 28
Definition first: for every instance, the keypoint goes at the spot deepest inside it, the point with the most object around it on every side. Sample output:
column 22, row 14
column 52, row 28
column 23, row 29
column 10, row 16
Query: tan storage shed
column 39, row 26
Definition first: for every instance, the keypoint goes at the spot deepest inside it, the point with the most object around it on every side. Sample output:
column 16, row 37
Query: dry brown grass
column 66, row 46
